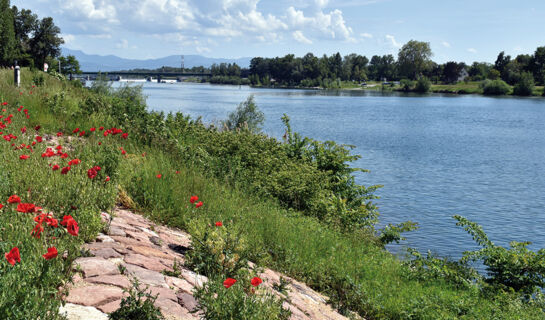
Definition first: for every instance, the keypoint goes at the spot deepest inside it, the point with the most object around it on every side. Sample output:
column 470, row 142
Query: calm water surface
column 436, row 156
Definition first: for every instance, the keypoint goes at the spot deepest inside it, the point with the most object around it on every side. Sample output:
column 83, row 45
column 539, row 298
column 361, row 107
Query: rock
column 149, row 232
column 129, row 242
column 106, row 253
column 138, row 235
column 172, row 309
column 146, row 262
column 104, row 238
column 77, row 312
column 95, row 266
column 181, row 284
column 187, row 301
column 149, row 251
column 156, row 241
column 194, row 279
column 117, row 280
column 105, row 217
column 152, row 278
column 94, row 295
column 116, row 231
column 110, row 307
column 296, row 314
column 163, row 293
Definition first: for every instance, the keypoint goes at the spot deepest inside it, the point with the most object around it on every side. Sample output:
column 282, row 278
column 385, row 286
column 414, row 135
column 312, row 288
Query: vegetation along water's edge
column 291, row 205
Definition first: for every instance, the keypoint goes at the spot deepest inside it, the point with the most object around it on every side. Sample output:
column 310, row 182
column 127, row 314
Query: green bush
column 138, row 305
column 525, row 86
column 407, row 85
column 495, row 87
column 246, row 116
column 423, row 85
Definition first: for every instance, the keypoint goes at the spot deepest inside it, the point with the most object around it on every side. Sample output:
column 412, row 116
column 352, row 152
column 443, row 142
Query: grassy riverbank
column 292, row 203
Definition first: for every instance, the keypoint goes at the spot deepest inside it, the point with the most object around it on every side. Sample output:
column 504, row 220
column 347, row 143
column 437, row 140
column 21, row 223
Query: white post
column 17, row 75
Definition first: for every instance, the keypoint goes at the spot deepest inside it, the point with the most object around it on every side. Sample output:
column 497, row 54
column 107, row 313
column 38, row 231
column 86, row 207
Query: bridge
column 150, row 75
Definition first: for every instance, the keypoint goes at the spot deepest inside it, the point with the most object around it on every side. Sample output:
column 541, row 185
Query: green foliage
column 138, row 305
column 240, row 301
column 517, row 268
column 423, row 85
column 215, row 251
column 406, row 85
column 495, row 87
column 7, row 34
column 392, row 233
column 247, row 116
column 525, row 85
column 414, row 58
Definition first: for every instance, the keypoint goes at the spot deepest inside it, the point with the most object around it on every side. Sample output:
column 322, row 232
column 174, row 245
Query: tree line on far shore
column 31, row 41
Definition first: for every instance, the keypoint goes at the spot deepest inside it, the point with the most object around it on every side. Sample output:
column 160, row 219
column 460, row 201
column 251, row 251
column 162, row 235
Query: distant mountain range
column 93, row 62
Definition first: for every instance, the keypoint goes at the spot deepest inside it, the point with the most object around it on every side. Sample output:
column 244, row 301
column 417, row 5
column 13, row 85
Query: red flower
column 101, row 128
column 256, row 281
column 99, row 143
column 97, row 168
column 107, row 178
column 70, row 224
column 51, row 253
column 65, row 170
column 75, row 130
column 55, row 167
column 74, row 162
column 92, row 173
column 39, row 139
column 219, row 224
column 37, row 128
column 13, row 256
column 198, row 204
column 1, row 206
column 81, row 134
column 229, row 282
column 177, row 172
column 59, row 147
column 26, row 208
column 123, row 152
column 23, row 129
column 59, row 134
column 37, row 231
column 24, row 156
column 193, row 199
column 92, row 129
column 14, row 199
column 64, row 155
column 125, row 135
column 159, row 176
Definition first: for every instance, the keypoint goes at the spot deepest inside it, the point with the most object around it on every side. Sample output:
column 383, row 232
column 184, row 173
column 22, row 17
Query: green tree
column 414, row 58
column 525, row 86
column 451, row 71
column 538, row 65
column 69, row 65
column 46, row 41
column 25, row 23
column 423, row 85
column 8, row 43
column 501, row 62
column 247, row 115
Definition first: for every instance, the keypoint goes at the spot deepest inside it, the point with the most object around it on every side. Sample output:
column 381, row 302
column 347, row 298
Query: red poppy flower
column 92, row 173
column 37, row 128
column 97, row 168
column 99, row 143
column 59, row 147
column 70, row 224
column 24, row 156
column 92, row 129
column 26, row 208
column 81, row 134
column 229, row 282
column 177, row 172
column 125, row 135
column 193, row 199
column 65, row 170
column 37, row 231
column 256, row 281
column 1, row 206
column 52, row 222
column 4, row 103
column 13, row 256
column 74, row 162
column 64, row 155
column 51, row 253
column 14, row 199
column 59, row 134
column 101, row 128
column 75, row 130
column 55, row 167
column 39, row 139
column 198, row 204
column 23, row 129
column 107, row 178
column 123, row 152
column 219, row 224
column 159, row 176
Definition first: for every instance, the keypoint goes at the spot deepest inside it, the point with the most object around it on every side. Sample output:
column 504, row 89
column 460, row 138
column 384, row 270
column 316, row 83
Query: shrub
column 246, row 116
column 138, row 305
column 239, row 301
column 406, row 85
column 525, row 85
column 423, row 85
column 495, row 87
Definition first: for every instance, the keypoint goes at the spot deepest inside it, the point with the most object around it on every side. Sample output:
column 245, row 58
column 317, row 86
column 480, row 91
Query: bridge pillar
column 159, row 78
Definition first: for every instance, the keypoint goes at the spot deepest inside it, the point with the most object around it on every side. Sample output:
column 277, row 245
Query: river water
column 436, row 155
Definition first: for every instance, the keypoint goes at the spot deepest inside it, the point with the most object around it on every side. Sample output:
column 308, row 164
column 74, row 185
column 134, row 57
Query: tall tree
column 414, row 58
column 7, row 34
column 538, row 65
column 451, row 71
column 46, row 41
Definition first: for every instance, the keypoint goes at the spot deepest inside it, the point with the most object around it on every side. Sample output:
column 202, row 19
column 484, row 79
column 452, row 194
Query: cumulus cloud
column 366, row 35
column 300, row 37
column 445, row 44
column 472, row 50
column 392, row 41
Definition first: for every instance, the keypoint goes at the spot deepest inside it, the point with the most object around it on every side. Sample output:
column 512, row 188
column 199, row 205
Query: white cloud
column 300, row 37
column 392, row 41
column 321, row 3
column 330, row 26
column 472, row 50
column 445, row 44
column 203, row 50
column 122, row 44
column 68, row 39
column 366, row 35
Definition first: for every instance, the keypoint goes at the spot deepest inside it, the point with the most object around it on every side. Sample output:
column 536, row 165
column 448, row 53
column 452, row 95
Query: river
column 436, row 155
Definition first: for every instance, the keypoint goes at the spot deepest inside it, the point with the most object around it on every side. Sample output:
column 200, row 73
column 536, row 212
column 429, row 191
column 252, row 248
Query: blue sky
column 458, row 30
